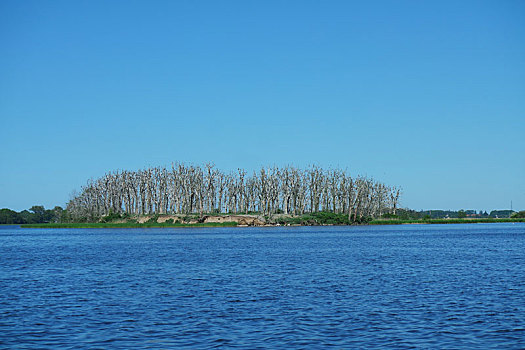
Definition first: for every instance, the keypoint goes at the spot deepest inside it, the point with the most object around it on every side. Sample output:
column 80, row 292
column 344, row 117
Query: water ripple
column 429, row 286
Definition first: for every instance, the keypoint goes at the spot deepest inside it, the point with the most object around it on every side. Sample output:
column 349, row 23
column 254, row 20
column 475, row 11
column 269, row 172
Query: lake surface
column 424, row 286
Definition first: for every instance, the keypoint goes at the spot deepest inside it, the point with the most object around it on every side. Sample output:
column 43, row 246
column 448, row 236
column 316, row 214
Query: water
column 424, row 286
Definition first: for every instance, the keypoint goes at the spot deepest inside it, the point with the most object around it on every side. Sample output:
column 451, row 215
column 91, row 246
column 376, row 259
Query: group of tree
column 409, row 214
column 192, row 189
column 35, row 215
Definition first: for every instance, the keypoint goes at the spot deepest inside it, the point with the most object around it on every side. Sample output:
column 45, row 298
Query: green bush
column 153, row 219
column 519, row 214
column 389, row 216
column 320, row 218
column 111, row 217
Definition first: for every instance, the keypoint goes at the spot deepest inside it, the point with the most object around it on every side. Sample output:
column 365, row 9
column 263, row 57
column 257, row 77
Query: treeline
column 408, row 214
column 518, row 215
column 35, row 215
column 190, row 189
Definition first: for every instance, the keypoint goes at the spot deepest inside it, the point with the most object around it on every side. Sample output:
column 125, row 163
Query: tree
column 519, row 214
column 8, row 216
column 191, row 189
column 39, row 213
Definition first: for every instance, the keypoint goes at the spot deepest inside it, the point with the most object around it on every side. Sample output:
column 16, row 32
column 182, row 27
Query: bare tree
column 193, row 189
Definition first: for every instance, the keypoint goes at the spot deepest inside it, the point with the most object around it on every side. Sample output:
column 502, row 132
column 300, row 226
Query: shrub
column 111, row 217
column 153, row 219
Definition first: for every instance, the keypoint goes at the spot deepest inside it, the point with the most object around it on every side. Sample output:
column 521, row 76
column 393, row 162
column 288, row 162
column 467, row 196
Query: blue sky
column 429, row 96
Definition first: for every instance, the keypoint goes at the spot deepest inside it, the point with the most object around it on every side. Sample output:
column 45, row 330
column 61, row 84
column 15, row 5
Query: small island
column 203, row 196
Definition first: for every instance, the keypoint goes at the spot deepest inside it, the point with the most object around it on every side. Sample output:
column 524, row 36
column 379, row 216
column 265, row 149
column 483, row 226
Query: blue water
column 424, row 286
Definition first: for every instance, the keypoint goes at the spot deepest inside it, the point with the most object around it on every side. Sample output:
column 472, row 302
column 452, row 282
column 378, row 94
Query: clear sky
column 427, row 95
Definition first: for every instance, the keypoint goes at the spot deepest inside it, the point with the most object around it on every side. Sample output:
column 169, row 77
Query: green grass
column 313, row 219
column 126, row 225
column 320, row 218
column 441, row 221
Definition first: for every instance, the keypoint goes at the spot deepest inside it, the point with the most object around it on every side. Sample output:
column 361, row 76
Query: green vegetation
column 127, row 225
column 408, row 214
column 320, row 218
column 313, row 219
column 39, row 217
column 520, row 214
column 442, row 221
column 36, row 214
column 501, row 213
column 327, row 218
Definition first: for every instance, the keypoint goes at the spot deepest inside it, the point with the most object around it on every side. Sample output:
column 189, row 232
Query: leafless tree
column 191, row 189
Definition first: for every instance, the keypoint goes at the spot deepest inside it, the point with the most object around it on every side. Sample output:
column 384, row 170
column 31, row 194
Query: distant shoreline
column 239, row 223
